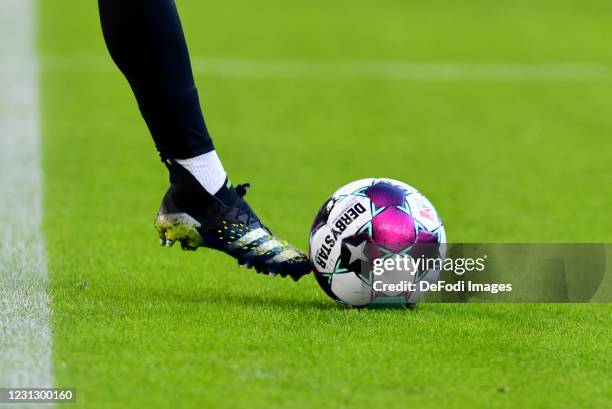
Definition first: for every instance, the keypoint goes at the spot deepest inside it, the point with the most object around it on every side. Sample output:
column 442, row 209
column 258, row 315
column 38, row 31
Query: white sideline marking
column 366, row 69
column 25, row 335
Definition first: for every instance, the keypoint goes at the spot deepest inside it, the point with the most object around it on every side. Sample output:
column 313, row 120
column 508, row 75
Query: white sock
column 207, row 169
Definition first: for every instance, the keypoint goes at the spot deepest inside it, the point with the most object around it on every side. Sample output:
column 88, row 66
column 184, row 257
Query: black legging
column 146, row 41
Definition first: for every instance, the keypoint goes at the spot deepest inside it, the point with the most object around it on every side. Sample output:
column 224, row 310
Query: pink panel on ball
column 425, row 236
column 393, row 229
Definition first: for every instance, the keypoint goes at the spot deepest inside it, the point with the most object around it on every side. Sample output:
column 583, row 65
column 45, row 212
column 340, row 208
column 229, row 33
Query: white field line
column 25, row 335
column 365, row 69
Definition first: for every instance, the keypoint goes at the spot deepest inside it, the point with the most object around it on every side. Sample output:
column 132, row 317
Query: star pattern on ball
column 357, row 252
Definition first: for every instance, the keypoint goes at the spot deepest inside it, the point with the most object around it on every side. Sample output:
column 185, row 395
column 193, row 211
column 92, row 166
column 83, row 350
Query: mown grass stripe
column 436, row 71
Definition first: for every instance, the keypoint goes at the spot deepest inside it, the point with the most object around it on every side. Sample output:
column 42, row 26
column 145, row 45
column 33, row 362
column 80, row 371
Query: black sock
column 146, row 41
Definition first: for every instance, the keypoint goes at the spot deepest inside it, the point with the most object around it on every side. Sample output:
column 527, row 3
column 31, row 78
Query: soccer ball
column 366, row 220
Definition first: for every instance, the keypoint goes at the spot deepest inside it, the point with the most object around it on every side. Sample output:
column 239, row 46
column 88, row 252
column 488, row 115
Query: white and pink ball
column 366, row 220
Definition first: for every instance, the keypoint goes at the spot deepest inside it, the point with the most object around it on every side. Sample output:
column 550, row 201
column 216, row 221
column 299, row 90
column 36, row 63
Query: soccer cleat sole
column 178, row 227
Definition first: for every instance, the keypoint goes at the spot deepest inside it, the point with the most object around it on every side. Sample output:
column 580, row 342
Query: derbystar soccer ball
column 366, row 220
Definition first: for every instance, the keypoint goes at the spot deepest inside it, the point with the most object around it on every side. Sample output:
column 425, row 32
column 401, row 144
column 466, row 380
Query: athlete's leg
column 146, row 41
column 201, row 208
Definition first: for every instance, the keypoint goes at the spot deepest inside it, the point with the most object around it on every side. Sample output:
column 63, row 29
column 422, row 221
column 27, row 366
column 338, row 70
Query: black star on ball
column 357, row 254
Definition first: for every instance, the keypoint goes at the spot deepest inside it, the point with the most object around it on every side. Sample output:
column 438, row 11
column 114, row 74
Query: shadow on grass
column 259, row 300
column 245, row 299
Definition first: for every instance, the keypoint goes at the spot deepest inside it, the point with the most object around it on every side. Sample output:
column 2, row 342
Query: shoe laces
column 242, row 191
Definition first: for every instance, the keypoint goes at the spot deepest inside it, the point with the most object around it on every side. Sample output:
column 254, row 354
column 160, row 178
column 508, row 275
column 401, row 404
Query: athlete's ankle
column 207, row 170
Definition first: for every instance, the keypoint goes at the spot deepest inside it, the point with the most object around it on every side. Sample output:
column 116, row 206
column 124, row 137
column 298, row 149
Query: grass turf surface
column 501, row 160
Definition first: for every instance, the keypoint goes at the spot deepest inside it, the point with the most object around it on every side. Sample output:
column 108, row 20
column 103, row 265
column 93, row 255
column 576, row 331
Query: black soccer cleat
column 225, row 222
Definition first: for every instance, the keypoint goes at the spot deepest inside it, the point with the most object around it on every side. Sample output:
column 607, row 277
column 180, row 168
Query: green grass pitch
column 138, row 326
